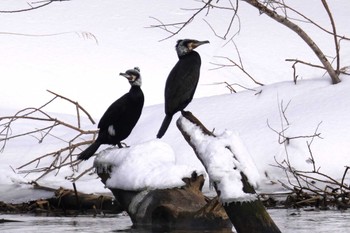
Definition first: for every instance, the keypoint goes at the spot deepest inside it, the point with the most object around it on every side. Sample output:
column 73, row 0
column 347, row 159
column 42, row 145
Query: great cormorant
column 182, row 80
column 121, row 117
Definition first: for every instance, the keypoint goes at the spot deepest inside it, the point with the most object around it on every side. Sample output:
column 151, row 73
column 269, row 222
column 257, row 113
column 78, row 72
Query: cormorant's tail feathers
column 165, row 125
column 90, row 151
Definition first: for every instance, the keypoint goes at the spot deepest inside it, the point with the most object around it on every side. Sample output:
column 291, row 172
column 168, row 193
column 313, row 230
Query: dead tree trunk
column 246, row 216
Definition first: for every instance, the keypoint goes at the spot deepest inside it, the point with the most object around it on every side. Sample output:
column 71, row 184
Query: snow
column 83, row 70
column 225, row 158
column 149, row 165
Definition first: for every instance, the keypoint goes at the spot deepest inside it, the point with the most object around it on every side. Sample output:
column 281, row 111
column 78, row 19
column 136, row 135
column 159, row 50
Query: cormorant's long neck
column 134, row 88
column 191, row 53
column 135, row 91
column 136, row 95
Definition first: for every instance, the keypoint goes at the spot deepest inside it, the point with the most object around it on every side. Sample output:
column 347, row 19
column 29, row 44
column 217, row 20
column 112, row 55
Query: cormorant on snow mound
column 121, row 117
column 182, row 80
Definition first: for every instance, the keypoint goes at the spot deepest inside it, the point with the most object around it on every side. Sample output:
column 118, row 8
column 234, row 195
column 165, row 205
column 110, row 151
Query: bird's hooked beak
column 131, row 78
column 199, row 43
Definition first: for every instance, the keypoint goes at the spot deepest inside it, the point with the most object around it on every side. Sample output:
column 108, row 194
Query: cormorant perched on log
column 121, row 117
column 182, row 80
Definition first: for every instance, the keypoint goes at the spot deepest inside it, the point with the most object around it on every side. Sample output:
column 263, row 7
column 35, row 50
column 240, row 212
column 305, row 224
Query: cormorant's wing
column 181, row 84
column 114, row 112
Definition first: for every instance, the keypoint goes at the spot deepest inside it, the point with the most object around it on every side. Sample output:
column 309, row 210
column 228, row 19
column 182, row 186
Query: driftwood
column 247, row 216
column 65, row 202
column 177, row 208
column 80, row 203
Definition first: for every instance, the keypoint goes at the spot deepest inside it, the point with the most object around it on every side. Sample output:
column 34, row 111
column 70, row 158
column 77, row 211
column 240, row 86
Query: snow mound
column 149, row 165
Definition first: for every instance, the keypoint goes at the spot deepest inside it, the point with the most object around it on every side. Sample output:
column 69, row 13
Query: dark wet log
column 69, row 200
column 246, row 216
column 7, row 208
column 65, row 202
column 176, row 208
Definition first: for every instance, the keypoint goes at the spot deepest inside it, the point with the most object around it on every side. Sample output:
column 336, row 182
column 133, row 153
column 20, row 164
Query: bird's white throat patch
column 137, row 82
column 111, row 130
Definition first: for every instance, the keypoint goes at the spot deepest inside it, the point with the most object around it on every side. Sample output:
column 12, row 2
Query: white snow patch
column 148, row 165
column 224, row 157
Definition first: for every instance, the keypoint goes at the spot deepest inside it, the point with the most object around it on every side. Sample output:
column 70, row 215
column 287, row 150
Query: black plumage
column 182, row 81
column 121, row 117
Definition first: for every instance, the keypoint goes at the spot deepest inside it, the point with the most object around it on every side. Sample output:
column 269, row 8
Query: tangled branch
column 309, row 187
column 282, row 138
column 313, row 187
column 282, row 13
column 235, row 64
column 175, row 28
column 55, row 160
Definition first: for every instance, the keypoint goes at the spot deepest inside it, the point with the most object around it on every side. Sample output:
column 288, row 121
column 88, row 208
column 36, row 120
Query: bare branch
column 286, row 22
column 285, row 7
column 27, row 9
column 305, row 63
column 283, row 110
column 324, row 2
column 343, row 178
column 229, row 27
column 54, row 160
column 183, row 24
column 232, row 90
column 78, row 106
column 31, row 7
column 207, row 5
column 234, row 64
column 304, row 182
column 82, row 34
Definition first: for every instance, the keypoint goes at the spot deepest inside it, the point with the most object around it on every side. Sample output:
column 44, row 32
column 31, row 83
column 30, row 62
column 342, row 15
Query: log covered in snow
column 157, row 193
column 232, row 172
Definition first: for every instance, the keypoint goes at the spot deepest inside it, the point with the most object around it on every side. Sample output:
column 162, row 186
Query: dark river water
column 288, row 221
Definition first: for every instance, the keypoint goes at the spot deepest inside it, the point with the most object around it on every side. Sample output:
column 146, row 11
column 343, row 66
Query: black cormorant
column 182, row 80
column 121, row 117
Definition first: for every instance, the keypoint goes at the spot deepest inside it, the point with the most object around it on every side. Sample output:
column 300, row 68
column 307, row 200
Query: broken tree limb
column 242, row 205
